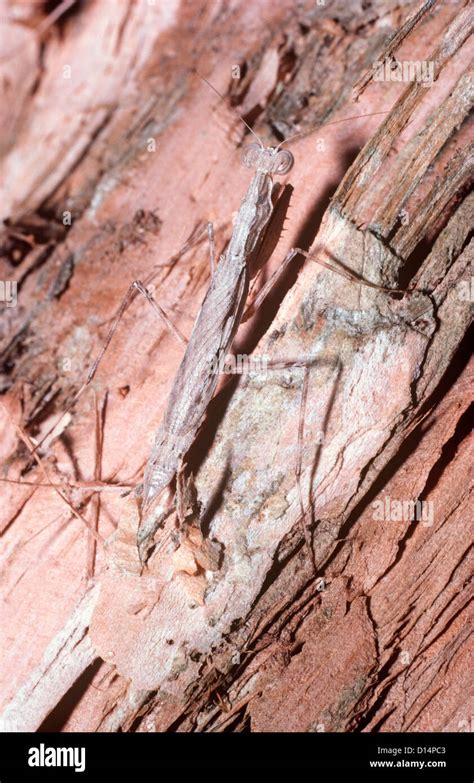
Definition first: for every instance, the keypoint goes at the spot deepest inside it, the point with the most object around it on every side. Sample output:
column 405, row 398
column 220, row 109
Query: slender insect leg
column 159, row 311
column 29, row 445
column 140, row 287
column 271, row 282
column 339, row 269
column 212, row 247
column 193, row 240
column 136, row 286
column 312, row 256
column 304, row 362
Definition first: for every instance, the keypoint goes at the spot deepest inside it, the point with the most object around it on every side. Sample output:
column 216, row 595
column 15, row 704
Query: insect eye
column 283, row 162
column 251, row 155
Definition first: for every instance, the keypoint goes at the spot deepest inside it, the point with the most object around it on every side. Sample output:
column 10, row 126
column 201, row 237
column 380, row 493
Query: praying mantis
column 214, row 329
column 222, row 311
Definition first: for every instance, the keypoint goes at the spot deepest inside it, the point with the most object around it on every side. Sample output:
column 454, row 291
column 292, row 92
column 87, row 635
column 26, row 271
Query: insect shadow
column 262, row 319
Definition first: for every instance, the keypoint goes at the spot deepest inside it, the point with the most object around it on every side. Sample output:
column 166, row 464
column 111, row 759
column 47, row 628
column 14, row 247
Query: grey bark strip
column 393, row 45
column 69, row 653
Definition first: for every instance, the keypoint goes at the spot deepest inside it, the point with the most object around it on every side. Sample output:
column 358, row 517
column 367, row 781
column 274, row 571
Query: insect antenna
column 326, row 124
column 223, row 98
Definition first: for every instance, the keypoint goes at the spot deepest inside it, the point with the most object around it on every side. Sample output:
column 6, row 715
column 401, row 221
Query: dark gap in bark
column 420, row 253
column 382, row 674
column 378, row 726
column 449, row 450
column 135, row 725
column 451, row 620
column 234, row 725
column 59, row 716
column 75, row 10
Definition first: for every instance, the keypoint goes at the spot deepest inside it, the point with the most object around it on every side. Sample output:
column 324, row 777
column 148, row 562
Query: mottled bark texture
column 106, row 123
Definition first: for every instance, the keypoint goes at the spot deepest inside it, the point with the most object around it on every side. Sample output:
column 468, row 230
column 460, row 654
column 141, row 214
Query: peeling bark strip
column 393, row 44
column 67, row 656
column 355, row 183
column 378, row 641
